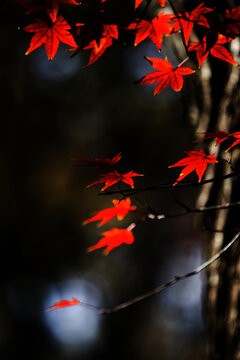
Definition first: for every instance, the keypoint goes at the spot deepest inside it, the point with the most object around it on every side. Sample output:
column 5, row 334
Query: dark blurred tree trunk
column 220, row 110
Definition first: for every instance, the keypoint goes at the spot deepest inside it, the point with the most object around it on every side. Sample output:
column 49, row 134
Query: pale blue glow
column 74, row 326
column 61, row 68
column 182, row 301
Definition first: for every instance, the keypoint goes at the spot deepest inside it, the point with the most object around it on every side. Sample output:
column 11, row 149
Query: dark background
column 50, row 112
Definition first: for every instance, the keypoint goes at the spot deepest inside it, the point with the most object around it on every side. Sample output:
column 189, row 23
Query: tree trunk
column 220, row 110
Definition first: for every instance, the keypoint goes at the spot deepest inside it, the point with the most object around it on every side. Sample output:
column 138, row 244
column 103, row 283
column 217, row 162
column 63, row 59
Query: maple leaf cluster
column 113, row 237
column 96, row 32
column 194, row 161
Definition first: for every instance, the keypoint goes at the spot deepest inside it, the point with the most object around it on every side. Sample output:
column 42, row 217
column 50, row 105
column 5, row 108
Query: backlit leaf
column 112, row 239
column 196, row 160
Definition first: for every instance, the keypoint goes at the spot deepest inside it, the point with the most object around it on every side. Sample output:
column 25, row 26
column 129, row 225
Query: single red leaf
column 50, row 36
column 231, row 24
column 114, row 177
column 237, row 136
column 120, row 210
column 109, row 33
column 63, row 303
column 219, row 135
column 212, row 44
column 166, row 74
column 137, row 3
column 100, row 162
column 186, row 20
column 51, row 6
column 196, row 160
column 162, row 3
column 155, row 29
column 112, row 239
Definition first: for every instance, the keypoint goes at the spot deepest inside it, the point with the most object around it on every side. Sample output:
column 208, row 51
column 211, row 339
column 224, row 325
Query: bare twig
column 160, row 288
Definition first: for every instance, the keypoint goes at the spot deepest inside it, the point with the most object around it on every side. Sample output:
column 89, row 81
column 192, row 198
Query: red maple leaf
column 120, row 210
column 63, row 303
column 219, row 135
column 50, row 36
column 114, row 177
column 231, row 24
column 196, row 160
column 162, row 3
column 99, row 46
column 100, row 162
column 51, row 6
column 112, row 239
column 186, row 20
column 166, row 74
column 137, row 3
column 154, row 29
column 212, row 44
column 237, row 136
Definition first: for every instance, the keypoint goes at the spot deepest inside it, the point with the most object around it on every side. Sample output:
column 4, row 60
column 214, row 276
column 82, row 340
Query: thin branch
column 188, row 210
column 160, row 288
column 131, row 192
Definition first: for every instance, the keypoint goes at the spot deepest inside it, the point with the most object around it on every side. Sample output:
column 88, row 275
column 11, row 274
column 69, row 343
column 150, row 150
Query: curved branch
column 160, row 288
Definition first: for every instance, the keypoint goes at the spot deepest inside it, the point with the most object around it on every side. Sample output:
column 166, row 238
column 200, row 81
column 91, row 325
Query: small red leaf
column 155, row 29
column 114, row 177
column 219, row 135
column 212, row 43
column 120, row 210
column 196, row 160
column 166, row 74
column 113, row 238
column 237, row 136
column 63, row 303
column 100, row 162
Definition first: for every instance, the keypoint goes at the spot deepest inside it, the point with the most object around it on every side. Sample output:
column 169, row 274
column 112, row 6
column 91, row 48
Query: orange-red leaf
column 100, row 162
column 162, row 3
column 120, row 210
column 112, row 239
column 237, row 136
column 212, row 43
column 166, row 74
column 186, row 20
column 219, row 135
column 196, row 160
column 155, row 29
column 50, row 36
column 114, row 177
column 63, row 303
column 98, row 47
column 231, row 25
column 51, row 6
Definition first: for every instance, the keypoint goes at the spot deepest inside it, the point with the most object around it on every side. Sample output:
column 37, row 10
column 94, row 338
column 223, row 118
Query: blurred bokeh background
column 50, row 112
